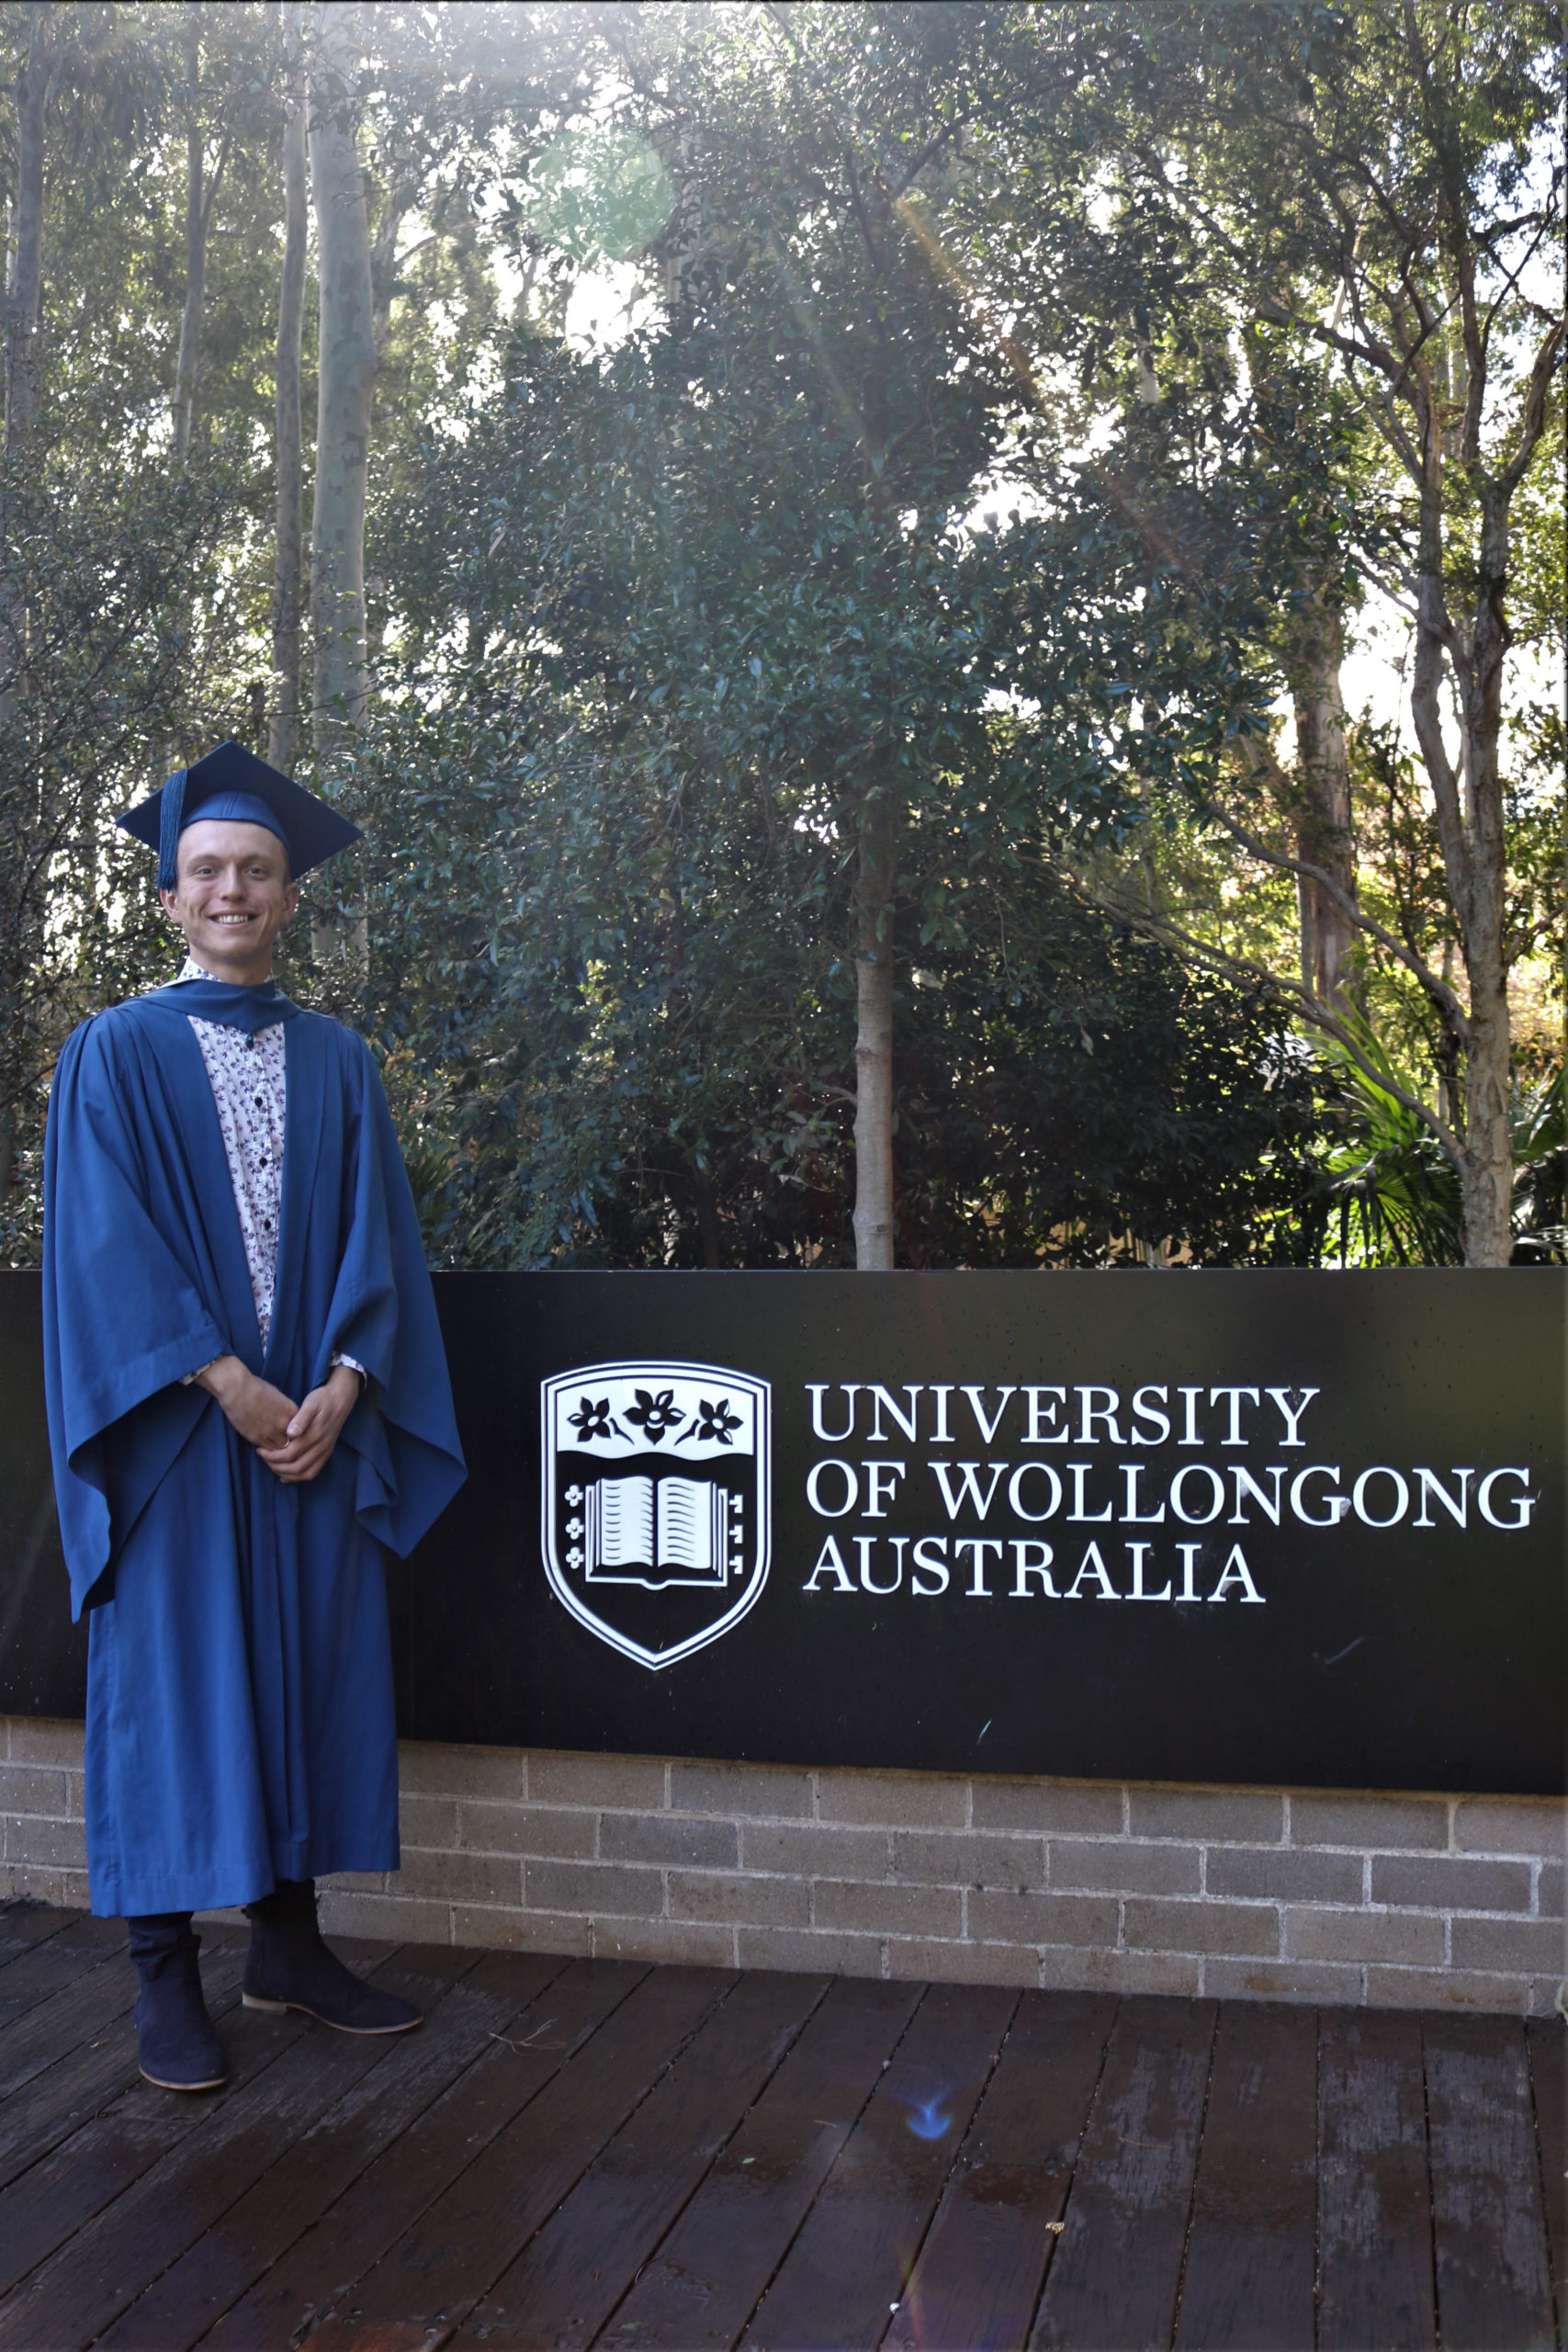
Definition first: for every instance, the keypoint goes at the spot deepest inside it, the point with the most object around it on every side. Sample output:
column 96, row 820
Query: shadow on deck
column 579, row 2152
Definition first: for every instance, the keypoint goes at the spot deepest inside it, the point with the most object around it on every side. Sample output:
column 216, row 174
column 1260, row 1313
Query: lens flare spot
column 599, row 193
column 929, row 2119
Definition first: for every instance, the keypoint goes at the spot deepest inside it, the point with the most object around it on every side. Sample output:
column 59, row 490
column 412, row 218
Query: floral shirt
column 249, row 1089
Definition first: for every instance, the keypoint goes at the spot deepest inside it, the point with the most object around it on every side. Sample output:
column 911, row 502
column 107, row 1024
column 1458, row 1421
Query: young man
column 247, row 1401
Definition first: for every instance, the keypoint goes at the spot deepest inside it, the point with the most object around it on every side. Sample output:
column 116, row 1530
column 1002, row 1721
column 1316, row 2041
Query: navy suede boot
column 288, row 1967
column 175, row 2044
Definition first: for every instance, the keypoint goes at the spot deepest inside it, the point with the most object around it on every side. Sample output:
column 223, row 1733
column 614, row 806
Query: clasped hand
column 296, row 1441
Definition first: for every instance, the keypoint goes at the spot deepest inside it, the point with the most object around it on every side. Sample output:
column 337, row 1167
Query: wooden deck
column 578, row 2153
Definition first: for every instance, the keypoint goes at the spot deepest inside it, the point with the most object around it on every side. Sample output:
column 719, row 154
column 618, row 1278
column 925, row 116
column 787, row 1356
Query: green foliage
column 598, row 193
column 1392, row 1194
column 1540, row 1181
column 655, row 630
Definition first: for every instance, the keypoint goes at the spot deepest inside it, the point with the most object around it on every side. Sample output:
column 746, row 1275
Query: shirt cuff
column 354, row 1365
column 188, row 1379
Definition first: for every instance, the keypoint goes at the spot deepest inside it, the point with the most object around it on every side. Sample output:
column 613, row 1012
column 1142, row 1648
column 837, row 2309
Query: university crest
column 656, row 1520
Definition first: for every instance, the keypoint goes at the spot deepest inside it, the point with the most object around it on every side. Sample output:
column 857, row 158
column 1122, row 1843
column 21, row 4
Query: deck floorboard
column 1249, row 2280
column 609, row 2155
column 846, row 2273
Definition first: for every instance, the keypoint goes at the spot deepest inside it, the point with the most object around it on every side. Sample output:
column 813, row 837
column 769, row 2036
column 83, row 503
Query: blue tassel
column 170, row 816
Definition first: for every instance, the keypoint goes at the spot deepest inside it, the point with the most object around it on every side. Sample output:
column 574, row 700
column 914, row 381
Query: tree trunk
column 289, row 571
column 346, row 372
column 27, row 257
column 873, row 1037
column 1323, row 818
column 198, row 214
column 1468, row 808
column 1487, row 1170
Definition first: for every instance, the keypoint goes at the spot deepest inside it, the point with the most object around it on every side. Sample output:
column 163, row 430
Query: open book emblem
column 656, row 1508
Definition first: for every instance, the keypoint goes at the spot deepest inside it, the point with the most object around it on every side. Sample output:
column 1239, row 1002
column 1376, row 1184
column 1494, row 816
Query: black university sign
column 1268, row 1526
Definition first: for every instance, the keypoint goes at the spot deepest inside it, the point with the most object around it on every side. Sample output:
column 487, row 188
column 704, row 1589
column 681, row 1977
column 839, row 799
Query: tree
column 1380, row 189
column 289, row 551
column 345, row 375
column 25, row 272
column 777, row 796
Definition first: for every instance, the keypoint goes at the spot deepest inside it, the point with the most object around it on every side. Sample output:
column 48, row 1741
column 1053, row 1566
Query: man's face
column 232, row 898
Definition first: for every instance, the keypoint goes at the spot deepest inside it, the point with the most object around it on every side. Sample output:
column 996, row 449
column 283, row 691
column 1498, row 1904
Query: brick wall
column 1402, row 1901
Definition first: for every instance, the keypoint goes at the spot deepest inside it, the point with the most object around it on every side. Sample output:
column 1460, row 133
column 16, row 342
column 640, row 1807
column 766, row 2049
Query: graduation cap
column 231, row 783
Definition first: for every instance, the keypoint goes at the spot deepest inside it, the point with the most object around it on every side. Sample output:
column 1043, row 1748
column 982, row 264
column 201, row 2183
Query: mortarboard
column 232, row 783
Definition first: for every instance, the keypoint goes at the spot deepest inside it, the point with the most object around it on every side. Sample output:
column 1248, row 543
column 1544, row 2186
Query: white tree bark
column 288, row 572
column 25, row 278
column 346, row 363
column 346, row 377
column 200, row 194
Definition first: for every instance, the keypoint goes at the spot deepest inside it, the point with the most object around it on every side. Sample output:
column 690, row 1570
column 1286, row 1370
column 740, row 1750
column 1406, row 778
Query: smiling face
column 232, row 898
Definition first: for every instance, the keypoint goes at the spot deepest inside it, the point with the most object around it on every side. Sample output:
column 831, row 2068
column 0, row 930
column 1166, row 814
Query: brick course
column 1408, row 1900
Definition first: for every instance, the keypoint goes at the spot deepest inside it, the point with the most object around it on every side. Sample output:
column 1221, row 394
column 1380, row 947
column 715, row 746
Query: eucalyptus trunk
column 1468, row 806
column 873, row 1035
column 346, row 369
column 289, row 570
column 25, row 272
column 347, row 375
column 1323, row 814
column 198, row 215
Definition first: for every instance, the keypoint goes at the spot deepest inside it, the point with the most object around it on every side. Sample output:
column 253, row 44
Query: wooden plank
column 1375, row 2282
column 977, row 2279
column 73, row 2016
column 46, row 1967
column 1547, row 2039
column 85, row 2080
column 1250, row 2278
column 1113, row 2277
column 85, row 2173
column 438, row 2270
column 387, row 2200
column 1494, row 2286
column 710, row 2272
column 24, row 1923
column 229, row 2260
column 376, row 2336
column 572, row 2274
column 858, row 2245
column 181, row 2162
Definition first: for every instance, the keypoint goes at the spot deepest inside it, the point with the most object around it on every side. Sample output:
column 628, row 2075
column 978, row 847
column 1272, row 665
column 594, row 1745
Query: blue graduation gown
column 239, row 1725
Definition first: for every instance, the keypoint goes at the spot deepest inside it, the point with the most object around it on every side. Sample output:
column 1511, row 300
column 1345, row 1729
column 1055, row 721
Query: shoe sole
column 280, row 2008
column 214, row 2082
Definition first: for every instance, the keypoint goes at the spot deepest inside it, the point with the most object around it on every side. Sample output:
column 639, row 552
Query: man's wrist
column 218, row 1377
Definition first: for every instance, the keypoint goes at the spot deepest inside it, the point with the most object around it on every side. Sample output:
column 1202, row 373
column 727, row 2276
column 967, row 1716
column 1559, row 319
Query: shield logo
column 657, row 1518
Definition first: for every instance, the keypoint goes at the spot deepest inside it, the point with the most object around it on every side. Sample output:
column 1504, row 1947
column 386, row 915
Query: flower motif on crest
column 592, row 1421
column 654, row 1414
column 716, row 1420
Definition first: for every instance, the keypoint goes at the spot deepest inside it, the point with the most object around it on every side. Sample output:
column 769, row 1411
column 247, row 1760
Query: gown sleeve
column 123, row 1319
column 383, row 1317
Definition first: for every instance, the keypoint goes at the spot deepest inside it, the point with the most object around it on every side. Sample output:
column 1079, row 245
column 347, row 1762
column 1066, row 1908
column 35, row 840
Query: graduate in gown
column 248, row 1406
